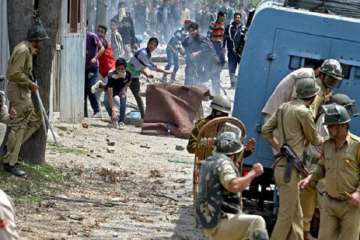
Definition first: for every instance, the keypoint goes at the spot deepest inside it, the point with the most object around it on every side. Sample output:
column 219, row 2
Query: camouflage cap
column 332, row 68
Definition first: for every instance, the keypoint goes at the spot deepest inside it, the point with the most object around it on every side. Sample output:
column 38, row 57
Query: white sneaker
column 121, row 126
column 97, row 87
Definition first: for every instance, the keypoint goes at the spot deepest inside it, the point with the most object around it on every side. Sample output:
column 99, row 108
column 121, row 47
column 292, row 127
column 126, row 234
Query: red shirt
column 217, row 31
column 106, row 61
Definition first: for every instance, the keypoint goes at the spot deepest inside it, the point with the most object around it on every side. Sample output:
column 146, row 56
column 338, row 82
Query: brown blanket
column 171, row 109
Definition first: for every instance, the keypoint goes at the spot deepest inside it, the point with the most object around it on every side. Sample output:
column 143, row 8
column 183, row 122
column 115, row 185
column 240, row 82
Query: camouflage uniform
column 218, row 209
column 19, row 74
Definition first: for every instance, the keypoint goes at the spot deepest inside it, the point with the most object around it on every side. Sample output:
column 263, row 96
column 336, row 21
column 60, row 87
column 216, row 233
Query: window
column 298, row 62
column 346, row 70
column 295, row 62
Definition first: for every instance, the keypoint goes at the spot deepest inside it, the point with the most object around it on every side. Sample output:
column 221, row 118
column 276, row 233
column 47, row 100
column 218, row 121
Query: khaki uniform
column 309, row 196
column 341, row 170
column 234, row 226
column 192, row 144
column 299, row 130
column 7, row 219
column 19, row 74
column 285, row 90
column 320, row 97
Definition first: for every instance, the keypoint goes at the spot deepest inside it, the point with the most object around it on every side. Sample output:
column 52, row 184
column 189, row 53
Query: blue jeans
column 91, row 78
column 172, row 59
column 119, row 102
column 219, row 51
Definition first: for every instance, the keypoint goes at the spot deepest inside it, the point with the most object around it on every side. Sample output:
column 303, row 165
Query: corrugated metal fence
column 72, row 78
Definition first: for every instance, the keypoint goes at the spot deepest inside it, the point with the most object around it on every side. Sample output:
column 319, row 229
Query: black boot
column 14, row 170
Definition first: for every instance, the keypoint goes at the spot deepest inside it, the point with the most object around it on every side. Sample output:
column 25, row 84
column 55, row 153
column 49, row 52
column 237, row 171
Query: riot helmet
column 306, row 87
column 335, row 114
column 347, row 102
column 37, row 32
column 229, row 140
column 331, row 68
column 221, row 104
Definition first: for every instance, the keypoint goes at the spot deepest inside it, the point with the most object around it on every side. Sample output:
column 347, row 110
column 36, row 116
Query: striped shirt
column 216, row 31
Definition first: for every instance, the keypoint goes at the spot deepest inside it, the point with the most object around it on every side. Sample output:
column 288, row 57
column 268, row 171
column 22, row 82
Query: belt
column 334, row 198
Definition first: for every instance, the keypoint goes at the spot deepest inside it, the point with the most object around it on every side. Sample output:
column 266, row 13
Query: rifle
column 244, row 30
column 292, row 158
column 292, row 161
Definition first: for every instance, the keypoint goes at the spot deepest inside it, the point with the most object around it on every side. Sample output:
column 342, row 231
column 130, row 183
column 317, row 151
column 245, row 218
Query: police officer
column 19, row 89
column 311, row 196
column 221, row 107
column 296, row 126
column 340, row 167
column 347, row 102
column 7, row 218
column 331, row 74
column 218, row 203
column 327, row 75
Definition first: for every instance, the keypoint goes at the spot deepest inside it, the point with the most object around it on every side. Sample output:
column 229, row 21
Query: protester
column 174, row 48
column 137, row 65
column 117, row 42
column 94, row 49
column 115, row 94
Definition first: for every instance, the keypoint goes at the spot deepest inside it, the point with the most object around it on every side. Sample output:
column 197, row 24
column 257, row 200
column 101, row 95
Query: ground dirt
column 117, row 184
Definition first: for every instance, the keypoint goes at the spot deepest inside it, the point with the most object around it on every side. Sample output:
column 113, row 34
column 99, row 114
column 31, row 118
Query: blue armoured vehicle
column 282, row 39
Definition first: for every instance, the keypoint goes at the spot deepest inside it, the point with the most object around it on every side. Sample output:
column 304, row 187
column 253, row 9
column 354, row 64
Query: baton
column 44, row 116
